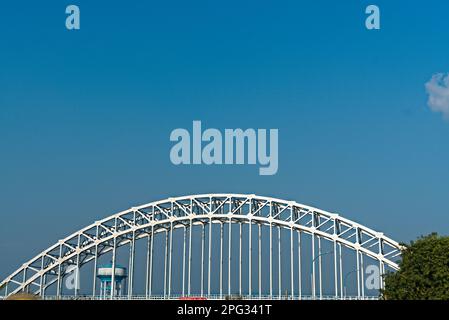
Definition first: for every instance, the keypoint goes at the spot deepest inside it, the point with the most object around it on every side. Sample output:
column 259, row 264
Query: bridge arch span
column 238, row 216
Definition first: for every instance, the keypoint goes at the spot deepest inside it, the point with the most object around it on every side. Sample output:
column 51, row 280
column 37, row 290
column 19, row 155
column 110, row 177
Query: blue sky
column 85, row 116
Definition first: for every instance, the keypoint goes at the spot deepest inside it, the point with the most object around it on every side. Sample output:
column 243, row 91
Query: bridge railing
column 211, row 297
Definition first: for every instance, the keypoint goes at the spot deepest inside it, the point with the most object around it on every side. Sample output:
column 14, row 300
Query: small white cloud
column 438, row 90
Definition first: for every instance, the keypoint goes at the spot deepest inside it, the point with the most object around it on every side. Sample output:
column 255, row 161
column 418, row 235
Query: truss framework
column 124, row 228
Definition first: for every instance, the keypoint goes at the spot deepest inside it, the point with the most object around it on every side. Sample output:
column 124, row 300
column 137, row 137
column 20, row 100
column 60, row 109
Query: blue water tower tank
column 104, row 273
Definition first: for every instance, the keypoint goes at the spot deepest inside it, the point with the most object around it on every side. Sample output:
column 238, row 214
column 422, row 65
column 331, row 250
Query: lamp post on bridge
column 313, row 274
column 346, row 276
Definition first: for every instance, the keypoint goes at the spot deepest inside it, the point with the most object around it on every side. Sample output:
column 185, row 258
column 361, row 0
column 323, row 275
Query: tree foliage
column 424, row 271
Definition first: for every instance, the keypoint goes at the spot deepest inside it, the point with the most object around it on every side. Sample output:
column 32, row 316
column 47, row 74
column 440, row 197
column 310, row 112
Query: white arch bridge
column 214, row 246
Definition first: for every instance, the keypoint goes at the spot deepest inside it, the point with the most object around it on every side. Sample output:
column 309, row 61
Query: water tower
column 104, row 273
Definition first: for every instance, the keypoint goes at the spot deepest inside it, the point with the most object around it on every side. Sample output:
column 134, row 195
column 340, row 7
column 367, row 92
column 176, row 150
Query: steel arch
column 122, row 228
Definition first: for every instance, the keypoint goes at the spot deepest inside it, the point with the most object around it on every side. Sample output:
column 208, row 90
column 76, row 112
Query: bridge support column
column 279, row 263
column 132, row 251
column 292, row 288
column 94, row 280
column 170, row 260
column 362, row 275
column 189, row 278
column 313, row 267
column 114, row 258
column 229, row 255
column 59, row 280
column 77, row 270
column 299, row 267
column 335, row 270
column 45, row 286
column 240, row 258
column 250, row 253
column 260, row 260
column 381, row 265
column 149, row 265
column 381, row 275
column 202, row 258
column 221, row 260
column 271, row 260
column 341, row 271
column 210, row 256
column 184, row 231
column 358, row 274
column 320, row 283
column 165, row 263
column 41, row 281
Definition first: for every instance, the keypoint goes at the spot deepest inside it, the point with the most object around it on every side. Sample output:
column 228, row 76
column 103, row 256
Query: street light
column 344, row 281
column 313, row 273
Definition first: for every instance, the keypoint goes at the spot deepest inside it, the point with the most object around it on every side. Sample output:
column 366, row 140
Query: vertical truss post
column 279, row 262
column 336, row 233
column 202, row 257
column 320, row 273
column 150, row 260
column 114, row 258
column 341, row 271
column 362, row 275
column 358, row 274
column 45, row 286
column 94, row 280
column 335, row 270
column 147, row 267
column 41, row 283
column 240, row 259
column 229, row 255
column 271, row 250
column 77, row 270
column 381, row 273
column 250, row 252
column 358, row 241
column 221, row 260
column 260, row 260
column 313, row 267
column 132, row 251
column 165, row 263
column 94, row 284
column 26, row 289
column 210, row 256
column 299, row 266
column 184, row 230
column 221, row 254
column 292, row 286
column 189, row 279
column 271, row 258
column 170, row 260
column 59, row 281
column 313, row 256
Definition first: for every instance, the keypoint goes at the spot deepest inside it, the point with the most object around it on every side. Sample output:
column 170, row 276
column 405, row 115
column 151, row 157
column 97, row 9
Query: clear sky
column 85, row 116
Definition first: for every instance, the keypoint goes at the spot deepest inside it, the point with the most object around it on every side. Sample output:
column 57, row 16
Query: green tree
column 424, row 271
